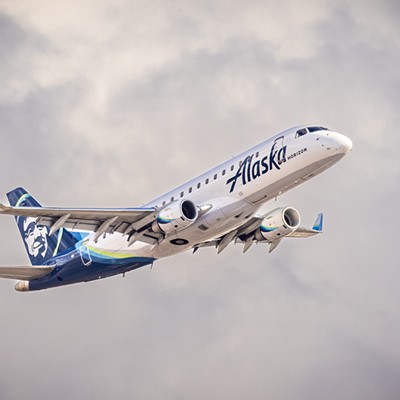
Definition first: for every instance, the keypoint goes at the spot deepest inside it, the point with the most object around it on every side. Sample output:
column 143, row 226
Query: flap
column 301, row 232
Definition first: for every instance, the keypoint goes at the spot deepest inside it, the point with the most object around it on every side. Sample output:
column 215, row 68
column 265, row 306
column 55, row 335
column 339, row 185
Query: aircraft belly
column 227, row 214
column 197, row 233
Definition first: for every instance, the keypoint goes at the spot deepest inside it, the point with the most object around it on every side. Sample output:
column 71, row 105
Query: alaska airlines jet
column 71, row 245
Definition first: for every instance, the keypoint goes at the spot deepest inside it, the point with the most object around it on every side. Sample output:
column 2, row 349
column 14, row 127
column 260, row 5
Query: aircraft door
column 280, row 149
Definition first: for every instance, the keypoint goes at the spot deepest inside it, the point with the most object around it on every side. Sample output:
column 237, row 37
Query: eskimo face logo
column 250, row 171
column 35, row 237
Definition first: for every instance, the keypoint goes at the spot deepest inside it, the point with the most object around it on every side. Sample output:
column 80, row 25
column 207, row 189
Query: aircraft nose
column 336, row 142
column 345, row 144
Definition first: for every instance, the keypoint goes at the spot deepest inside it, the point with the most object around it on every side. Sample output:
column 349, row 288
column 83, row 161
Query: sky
column 112, row 103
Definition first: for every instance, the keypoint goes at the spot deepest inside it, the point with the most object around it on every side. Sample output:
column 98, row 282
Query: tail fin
column 39, row 245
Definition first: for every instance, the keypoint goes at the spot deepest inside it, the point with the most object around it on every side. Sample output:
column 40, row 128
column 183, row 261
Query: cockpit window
column 301, row 132
column 317, row 128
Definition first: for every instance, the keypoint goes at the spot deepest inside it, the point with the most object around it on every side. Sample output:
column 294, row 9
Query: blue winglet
column 318, row 224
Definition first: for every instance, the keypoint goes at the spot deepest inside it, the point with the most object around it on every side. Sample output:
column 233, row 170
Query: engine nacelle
column 277, row 224
column 176, row 216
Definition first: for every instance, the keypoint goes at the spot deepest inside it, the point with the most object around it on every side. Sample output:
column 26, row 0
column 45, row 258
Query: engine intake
column 176, row 216
column 277, row 224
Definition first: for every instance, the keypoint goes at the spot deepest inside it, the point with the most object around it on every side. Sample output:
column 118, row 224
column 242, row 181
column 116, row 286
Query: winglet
column 318, row 224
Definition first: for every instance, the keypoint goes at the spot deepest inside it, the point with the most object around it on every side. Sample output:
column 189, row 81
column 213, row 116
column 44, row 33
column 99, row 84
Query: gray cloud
column 112, row 103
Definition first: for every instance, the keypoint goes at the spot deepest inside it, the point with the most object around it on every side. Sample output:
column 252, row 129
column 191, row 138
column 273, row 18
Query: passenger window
column 190, row 190
column 240, row 163
column 215, row 176
column 232, row 167
column 207, row 180
column 181, row 194
column 198, row 185
column 163, row 203
column 172, row 198
column 301, row 132
column 223, row 172
column 257, row 154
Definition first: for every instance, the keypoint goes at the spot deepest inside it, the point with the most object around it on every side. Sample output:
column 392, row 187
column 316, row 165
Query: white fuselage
column 235, row 190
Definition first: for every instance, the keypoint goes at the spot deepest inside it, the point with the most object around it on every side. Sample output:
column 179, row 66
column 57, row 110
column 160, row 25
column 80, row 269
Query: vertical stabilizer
column 39, row 244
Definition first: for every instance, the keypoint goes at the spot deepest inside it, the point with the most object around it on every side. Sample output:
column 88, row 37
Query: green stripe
column 22, row 198
column 60, row 233
column 105, row 253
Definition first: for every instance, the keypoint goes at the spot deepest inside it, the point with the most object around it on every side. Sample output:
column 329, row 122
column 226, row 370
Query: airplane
column 223, row 205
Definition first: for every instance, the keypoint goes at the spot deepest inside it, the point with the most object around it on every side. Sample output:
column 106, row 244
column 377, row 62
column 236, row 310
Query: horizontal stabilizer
column 25, row 273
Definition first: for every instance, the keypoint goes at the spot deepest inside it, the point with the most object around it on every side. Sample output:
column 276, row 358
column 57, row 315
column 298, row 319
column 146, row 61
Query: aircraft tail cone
column 22, row 286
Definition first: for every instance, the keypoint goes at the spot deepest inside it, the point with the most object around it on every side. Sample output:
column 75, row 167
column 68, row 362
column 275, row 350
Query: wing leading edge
column 92, row 219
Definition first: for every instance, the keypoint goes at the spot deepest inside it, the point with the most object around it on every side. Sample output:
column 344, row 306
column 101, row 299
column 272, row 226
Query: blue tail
column 39, row 245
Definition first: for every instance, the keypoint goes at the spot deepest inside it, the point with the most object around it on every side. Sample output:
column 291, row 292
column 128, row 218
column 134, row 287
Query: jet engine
column 176, row 216
column 277, row 224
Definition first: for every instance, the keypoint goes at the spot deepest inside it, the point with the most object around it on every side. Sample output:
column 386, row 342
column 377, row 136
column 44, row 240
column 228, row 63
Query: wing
column 25, row 273
column 302, row 232
column 99, row 220
column 245, row 234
